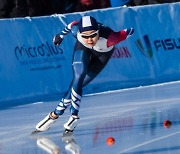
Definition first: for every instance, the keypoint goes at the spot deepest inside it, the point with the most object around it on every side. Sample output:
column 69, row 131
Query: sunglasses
column 92, row 35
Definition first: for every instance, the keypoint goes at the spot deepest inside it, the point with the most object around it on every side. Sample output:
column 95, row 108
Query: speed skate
column 46, row 123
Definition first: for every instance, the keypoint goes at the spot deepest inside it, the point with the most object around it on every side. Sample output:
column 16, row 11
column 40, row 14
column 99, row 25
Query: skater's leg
column 64, row 103
column 80, row 64
column 96, row 65
column 82, row 76
column 53, row 116
column 73, row 97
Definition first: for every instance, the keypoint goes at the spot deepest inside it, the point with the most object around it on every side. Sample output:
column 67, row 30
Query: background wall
column 32, row 68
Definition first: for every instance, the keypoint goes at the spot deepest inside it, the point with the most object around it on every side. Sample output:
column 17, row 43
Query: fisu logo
column 145, row 51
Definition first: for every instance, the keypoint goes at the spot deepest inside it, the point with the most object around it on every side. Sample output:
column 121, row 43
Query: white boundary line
column 126, row 89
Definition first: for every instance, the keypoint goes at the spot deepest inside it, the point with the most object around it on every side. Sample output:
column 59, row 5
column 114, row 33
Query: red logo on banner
column 121, row 52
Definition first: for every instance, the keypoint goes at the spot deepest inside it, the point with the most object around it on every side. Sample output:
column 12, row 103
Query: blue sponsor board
column 33, row 68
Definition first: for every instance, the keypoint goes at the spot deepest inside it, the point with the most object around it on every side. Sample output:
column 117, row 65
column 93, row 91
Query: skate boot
column 71, row 124
column 45, row 123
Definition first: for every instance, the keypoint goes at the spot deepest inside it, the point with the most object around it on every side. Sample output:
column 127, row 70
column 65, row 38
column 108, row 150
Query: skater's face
column 90, row 37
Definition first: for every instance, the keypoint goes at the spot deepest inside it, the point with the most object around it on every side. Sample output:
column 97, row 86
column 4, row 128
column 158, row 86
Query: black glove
column 57, row 39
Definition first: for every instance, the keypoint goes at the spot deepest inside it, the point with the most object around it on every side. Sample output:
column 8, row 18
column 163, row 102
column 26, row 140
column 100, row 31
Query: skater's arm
column 116, row 37
column 59, row 37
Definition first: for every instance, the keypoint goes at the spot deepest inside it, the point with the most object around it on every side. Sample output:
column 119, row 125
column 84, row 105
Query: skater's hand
column 57, row 39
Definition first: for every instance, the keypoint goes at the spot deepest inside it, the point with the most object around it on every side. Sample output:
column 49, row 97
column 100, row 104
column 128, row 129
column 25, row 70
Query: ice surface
column 134, row 117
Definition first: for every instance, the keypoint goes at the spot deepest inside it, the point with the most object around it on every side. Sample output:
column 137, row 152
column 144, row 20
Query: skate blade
column 35, row 132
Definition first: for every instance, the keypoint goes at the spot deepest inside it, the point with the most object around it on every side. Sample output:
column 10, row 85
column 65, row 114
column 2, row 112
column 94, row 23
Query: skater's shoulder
column 104, row 31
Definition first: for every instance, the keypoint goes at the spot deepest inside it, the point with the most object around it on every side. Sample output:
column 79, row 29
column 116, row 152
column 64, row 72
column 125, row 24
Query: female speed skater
column 93, row 49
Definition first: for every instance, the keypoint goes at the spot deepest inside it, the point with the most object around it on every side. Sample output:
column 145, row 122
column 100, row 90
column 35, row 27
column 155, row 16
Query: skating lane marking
column 127, row 89
column 38, row 103
column 151, row 141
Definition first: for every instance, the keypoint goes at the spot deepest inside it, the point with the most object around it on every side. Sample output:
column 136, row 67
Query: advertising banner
column 32, row 67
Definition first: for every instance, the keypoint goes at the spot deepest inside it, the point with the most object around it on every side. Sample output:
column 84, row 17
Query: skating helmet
column 87, row 23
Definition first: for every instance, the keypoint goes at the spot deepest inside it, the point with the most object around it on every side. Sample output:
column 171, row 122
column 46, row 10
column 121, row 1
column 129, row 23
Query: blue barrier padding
column 32, row 68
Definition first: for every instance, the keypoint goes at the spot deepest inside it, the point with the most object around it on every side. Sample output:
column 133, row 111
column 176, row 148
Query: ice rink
column 133, row 117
